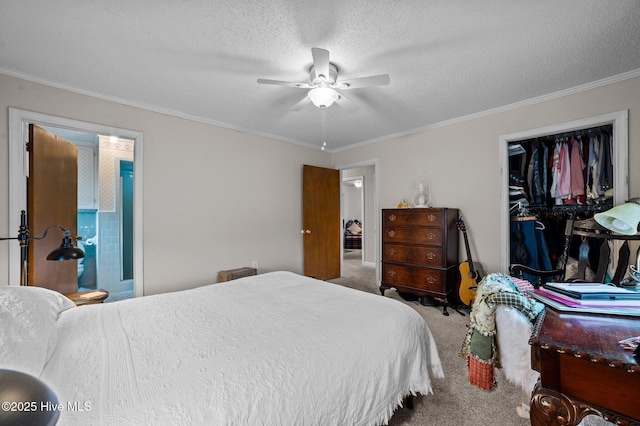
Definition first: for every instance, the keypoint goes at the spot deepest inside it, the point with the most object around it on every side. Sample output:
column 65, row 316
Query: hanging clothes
column 594, row 168
column 556, row 177
column 528, row 245
column 564, row 174
column 577, row 167
column 605, row 180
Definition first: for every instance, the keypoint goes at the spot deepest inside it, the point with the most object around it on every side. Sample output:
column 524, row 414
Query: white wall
column 214, row 198
column 462, row 161
column 352, row 197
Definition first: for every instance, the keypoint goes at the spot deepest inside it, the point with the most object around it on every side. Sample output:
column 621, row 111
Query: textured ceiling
column 201, row 58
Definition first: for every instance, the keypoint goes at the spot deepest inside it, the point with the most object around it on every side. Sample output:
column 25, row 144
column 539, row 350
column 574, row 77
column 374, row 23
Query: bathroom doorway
column 100, row 198
column 125, row 206
column 105, row 211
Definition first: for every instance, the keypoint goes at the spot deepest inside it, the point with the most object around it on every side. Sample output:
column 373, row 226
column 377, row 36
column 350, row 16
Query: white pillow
column 354, row 229
column 28, row 333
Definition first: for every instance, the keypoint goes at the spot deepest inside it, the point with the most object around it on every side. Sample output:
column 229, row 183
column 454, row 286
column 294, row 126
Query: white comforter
column 273, row 349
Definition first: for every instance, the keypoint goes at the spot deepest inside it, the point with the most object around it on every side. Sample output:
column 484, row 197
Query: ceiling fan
column 324, row 84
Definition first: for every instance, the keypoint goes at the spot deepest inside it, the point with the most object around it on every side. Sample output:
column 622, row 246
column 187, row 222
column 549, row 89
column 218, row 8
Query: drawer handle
column 392, row 273
column 392, row 218
column 392, row 233
column 431, row 280
column 431, row 256
column 391, row 252
column 431, row 236
column 431, row 218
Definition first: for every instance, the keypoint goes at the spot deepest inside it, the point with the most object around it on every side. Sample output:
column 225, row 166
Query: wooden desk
column 583, row 370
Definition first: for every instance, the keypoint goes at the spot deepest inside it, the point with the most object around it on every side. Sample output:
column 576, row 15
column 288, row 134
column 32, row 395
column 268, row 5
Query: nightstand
column 88, row 297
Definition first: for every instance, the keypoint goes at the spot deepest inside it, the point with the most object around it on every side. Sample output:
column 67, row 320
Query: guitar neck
column 466, row 246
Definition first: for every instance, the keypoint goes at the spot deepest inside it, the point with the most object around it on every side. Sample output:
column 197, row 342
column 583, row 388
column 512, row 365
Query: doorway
column 18, row 169
column 367, row 173
column 352, row 191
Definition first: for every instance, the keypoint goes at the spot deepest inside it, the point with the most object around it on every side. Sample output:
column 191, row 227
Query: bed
column 353, row 235
column 276, row 348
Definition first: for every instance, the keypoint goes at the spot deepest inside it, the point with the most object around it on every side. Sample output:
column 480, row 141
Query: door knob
column 307, row 231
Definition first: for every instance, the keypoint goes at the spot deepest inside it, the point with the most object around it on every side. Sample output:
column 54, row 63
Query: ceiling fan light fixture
column 323, row 97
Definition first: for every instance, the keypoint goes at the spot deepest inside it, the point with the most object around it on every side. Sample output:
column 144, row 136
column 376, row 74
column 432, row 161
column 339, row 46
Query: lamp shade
column 622, row 219
column 35, row 397
column 66, row 251
column 323, row 97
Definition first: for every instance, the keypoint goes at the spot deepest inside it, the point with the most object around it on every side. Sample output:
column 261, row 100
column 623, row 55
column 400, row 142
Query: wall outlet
column 254, row 264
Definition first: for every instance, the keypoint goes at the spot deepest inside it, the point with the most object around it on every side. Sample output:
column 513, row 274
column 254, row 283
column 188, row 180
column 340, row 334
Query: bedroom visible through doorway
column 359, row 216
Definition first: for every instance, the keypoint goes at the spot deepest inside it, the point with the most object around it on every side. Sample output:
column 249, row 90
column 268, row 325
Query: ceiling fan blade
column 285, row 83
column 320, row 62
column 346, row 103
column 356, row 83
column 303, row 103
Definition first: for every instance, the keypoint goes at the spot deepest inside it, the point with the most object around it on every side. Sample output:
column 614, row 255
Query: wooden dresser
column 420, row 252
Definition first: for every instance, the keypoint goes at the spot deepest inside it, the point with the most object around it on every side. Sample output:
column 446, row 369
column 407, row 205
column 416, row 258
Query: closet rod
column 607, row 128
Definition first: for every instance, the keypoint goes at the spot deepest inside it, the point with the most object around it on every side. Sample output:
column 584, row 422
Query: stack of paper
column 590, row 298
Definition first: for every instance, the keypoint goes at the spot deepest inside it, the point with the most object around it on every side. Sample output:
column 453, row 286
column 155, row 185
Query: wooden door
column 321, row 222
column 52, row 199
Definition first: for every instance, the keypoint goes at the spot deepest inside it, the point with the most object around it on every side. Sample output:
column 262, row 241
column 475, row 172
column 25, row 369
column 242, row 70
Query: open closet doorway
column 360, row 217
column 529, row 146
column 102, row 201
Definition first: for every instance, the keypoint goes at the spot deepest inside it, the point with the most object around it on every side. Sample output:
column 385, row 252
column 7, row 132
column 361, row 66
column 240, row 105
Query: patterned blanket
column 479, row 347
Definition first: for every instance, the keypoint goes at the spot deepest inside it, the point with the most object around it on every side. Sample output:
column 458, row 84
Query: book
column 591, row 303
column 593, row 291
column 608, row 310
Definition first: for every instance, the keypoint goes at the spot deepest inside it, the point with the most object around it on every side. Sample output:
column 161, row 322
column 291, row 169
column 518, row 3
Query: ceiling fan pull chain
column 324, row 143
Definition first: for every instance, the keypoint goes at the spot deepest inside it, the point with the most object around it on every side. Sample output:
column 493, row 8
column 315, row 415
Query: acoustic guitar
column 470, row 275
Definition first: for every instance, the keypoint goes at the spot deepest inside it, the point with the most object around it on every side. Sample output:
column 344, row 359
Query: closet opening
column 553, row 174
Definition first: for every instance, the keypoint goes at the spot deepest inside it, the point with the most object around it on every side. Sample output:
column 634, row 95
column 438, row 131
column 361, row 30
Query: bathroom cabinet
column 87, row 190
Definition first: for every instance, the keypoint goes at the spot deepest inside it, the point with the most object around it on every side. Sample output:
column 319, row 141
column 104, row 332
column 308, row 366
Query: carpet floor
column 454, row 401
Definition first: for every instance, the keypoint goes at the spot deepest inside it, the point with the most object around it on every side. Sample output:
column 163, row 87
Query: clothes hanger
column 523, row 213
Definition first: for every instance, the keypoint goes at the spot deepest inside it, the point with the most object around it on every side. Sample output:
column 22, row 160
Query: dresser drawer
column 416, row 255
column 413, row 217
column 415, row 278
column 412, row 235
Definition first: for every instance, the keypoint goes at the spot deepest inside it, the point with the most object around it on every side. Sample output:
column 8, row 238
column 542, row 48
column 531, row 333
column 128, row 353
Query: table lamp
column 34, row 402
column 66, row 251
column 622, row 219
